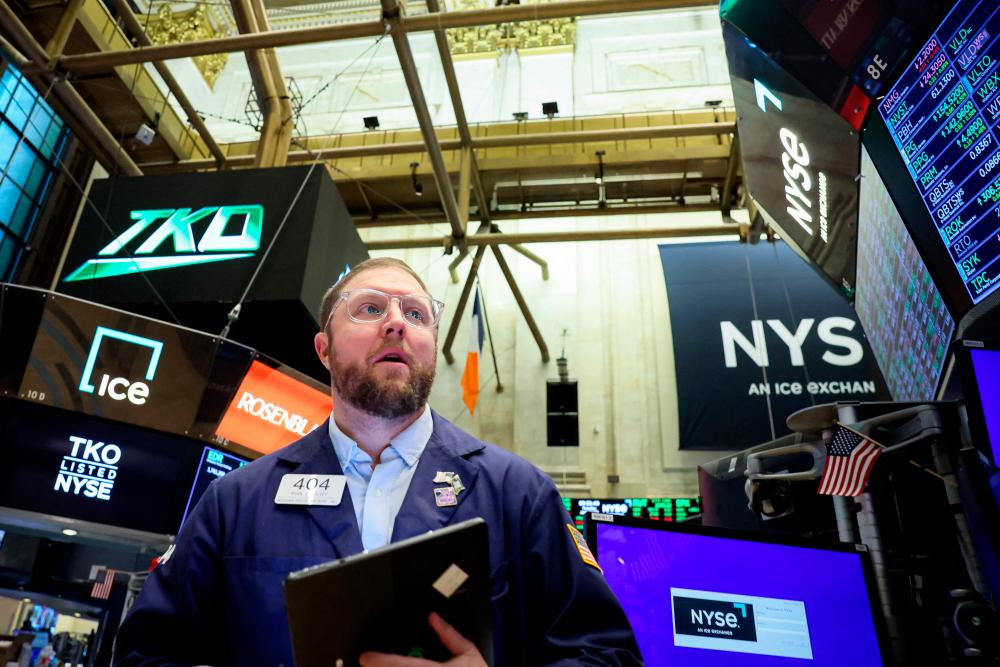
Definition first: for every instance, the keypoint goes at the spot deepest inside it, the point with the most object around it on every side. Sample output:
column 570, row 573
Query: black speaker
column 563, row 424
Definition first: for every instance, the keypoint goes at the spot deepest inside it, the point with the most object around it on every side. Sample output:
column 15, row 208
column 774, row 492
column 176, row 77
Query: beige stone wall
column 609, row 298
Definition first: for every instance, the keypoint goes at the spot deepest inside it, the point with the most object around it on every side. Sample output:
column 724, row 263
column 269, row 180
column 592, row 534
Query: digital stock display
column 906, row 321
column 213, row 464
column 662, row 509
column 942, row 115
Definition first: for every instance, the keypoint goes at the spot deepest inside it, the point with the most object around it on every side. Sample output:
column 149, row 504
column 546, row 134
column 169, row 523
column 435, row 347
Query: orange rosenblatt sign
column 272, row 409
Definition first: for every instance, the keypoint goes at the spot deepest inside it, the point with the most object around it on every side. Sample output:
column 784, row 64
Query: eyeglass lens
column 372, row 306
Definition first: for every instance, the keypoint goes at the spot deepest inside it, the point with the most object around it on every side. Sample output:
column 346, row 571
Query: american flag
column 849, row 461
column 102, row 589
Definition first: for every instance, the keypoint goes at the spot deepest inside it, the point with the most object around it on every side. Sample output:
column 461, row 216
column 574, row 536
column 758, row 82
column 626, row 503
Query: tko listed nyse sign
column 90, row 469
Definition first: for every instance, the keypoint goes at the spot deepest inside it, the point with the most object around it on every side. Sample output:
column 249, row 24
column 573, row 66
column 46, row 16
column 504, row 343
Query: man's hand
column 464, row 651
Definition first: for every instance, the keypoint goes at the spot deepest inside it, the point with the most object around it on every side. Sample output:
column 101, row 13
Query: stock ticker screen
column 942, row 115
column 661, row 509
column 213, row 464
column 906, row 321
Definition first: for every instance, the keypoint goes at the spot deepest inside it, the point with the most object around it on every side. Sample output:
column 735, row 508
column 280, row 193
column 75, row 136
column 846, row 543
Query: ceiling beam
column 94, row 62
column 435, row 217
column 678, row 231
column 137, row 31
column 393, row 15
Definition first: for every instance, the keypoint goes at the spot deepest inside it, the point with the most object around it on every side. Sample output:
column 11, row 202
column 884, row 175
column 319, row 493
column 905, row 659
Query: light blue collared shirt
column 378, row 493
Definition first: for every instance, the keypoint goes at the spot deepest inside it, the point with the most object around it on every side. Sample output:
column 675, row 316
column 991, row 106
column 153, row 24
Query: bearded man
column 218, row 599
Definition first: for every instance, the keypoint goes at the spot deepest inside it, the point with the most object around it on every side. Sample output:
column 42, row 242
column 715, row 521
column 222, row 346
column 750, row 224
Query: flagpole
column 930, row 472
column 489, row 335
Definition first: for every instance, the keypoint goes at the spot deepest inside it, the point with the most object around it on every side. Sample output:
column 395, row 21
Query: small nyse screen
column 943, row 115
column 213, row 464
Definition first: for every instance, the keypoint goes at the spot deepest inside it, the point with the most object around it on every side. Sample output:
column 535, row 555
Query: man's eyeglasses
column 372, row 305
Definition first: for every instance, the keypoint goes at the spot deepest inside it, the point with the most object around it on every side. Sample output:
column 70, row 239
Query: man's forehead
column 388, row 279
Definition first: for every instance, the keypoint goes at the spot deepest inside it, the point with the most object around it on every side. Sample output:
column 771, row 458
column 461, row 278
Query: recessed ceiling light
column 77, row 614
column 69, row 532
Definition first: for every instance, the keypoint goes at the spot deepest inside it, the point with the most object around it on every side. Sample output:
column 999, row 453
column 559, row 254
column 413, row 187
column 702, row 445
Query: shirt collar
column 409, row 444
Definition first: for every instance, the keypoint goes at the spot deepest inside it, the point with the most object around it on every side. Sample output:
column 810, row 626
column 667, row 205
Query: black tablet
column 379, row 600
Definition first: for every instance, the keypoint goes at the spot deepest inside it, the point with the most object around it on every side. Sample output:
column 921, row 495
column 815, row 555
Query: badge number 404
column 310, row 490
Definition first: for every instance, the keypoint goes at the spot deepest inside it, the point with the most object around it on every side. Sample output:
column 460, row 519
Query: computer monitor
column 902, row 312
column 979, row 366
column 935, row 144
column 699, row 596
column 213, row 464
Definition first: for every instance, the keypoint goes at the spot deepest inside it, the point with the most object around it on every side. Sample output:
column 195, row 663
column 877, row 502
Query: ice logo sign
column 90, row 469
column 119, row 388
column 176, row 225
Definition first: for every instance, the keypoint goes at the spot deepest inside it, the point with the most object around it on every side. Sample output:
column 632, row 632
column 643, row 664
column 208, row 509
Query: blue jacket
column 218, row 598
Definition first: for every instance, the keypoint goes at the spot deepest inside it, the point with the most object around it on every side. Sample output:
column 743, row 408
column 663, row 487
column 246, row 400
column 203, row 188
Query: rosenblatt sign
column 272, row 409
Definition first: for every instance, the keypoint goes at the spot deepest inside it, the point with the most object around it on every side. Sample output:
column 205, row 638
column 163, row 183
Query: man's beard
column 385, row 398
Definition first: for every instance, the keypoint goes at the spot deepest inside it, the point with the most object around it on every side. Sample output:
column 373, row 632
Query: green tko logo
column 176, row 226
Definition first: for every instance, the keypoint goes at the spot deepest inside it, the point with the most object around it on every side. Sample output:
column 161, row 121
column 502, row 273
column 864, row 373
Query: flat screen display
column 657, row 509
column 697, row 599
column 986, row 367
column 109, row 363
column 73, row 465
column 942, row 115
column 213, row 465
column 903, row 314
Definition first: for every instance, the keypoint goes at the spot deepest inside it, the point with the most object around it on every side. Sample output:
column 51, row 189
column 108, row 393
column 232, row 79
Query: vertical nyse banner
column 188, row 246
column 800, row 160
column 757, row 335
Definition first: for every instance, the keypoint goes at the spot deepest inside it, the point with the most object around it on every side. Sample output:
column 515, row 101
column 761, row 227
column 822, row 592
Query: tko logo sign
column 90, row 469
column 119, row 388
column 176, row 225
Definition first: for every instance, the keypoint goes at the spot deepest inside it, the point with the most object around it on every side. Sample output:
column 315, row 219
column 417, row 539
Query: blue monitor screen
column 703, row 600
column 943, row 115
column 986, row 365
column 213, row 464
column 902, row 312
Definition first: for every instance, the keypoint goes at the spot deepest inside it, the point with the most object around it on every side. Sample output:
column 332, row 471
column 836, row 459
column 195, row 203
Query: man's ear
column 321, row 343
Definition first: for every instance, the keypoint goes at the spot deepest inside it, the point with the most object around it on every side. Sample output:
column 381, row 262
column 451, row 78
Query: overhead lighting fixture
column 520, row 116
column 599, row 176
column 371, row 122
column 713, row 103
column 76, row 614
column 69, row 532
column 550, row 109
column 418, row 187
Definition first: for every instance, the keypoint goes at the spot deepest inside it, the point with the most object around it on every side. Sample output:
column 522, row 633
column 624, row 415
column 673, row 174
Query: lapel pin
column 443, row 477
column 445, row 496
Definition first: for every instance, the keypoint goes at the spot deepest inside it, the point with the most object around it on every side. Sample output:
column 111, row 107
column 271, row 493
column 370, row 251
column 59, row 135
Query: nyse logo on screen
column 718, row 619
column 90, row 469
column 217, row 242
column 120, row 388
column 841, row 350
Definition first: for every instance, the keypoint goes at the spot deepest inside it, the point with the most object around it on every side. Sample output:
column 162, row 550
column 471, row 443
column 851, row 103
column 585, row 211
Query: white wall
column 611, row 299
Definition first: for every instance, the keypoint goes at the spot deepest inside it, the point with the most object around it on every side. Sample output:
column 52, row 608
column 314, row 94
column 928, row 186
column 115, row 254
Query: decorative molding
column 167, row 26
column 520, row 36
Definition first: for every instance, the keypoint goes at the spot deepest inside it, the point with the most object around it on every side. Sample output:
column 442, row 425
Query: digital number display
column 213, row 464
column 942, row 115
column 902, row 312
column 661, row 509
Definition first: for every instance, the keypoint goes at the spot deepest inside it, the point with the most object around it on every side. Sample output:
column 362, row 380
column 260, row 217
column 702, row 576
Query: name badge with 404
column 310, row 490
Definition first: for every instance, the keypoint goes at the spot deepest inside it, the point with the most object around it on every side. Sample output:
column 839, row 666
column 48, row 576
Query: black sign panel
column 112, row 364
column 800, row 160
column 719, row 619
column 757, row 335
column 71, row 465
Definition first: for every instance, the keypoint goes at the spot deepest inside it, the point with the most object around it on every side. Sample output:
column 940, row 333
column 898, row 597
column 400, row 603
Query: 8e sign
column 119, row 388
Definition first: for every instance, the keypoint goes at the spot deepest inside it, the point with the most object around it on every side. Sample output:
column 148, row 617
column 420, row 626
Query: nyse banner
column 112, row 364
column 757, row 335
column 800, row 160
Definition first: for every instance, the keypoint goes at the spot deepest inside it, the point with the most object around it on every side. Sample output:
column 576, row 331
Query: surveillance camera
column 145, row 134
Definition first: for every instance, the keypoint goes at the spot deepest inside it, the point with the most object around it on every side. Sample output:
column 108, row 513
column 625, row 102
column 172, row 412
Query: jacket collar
column 448, row 450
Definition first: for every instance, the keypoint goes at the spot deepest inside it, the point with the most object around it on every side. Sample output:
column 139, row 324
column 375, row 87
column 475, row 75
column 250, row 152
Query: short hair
column 333, row 294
